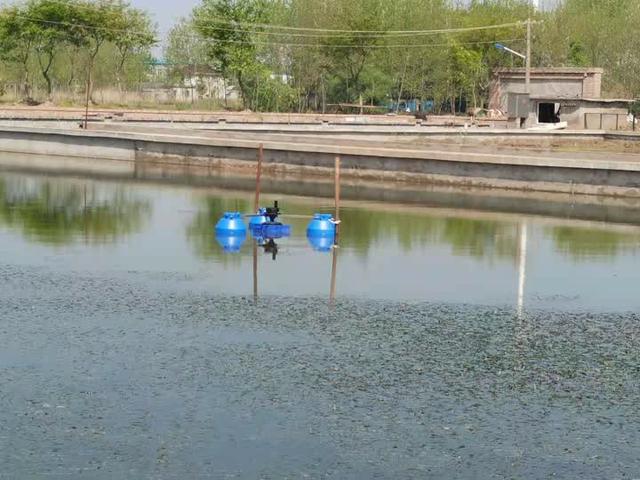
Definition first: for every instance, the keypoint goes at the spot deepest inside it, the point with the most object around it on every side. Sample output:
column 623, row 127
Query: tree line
column 421, row 49
column 304, row 55
column 71, row 43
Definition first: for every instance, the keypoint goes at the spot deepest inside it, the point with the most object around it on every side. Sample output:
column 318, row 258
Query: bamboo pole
column 337, row 187
column 334, row 272
column 255, row 272
column 256, row 204
column 337, row 198
column 334, row 264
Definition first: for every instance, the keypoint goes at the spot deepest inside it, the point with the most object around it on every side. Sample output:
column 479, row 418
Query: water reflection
column 488, row 239
column 366, row 227
column 398, row 252
column 522, row 267
column 363, row 228
column 582, row 244
column 57, row 212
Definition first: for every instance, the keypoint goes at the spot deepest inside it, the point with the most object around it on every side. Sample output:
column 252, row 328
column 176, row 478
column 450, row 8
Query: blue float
column 322, row 225
column 231, row 224
column 231, row 232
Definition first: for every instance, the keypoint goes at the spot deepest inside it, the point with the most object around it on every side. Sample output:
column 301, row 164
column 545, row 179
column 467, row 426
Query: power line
column 318, row 45
column 286, row 44
column 372, row 34
column 431, row 45
column 255, row 27
column 384, row 32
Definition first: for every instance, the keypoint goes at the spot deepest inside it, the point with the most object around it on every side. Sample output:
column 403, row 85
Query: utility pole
column 527, row 74
column 88, row 99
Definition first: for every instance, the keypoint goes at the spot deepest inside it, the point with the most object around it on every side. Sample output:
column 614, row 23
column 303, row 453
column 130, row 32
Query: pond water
column 458, row 343
column 387, row 252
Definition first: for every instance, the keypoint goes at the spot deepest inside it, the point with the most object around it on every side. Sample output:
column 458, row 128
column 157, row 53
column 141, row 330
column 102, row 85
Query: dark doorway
column 548, row 113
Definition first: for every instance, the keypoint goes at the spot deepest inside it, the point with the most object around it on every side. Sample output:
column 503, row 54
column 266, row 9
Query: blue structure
column 231, row 224
column 264, row 226
column 322, row 225
column 270, row 231
column 411, row 106
column 231, row 232
column 258, row 219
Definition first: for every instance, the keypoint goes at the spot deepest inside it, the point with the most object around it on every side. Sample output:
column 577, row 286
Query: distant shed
column 572, row 95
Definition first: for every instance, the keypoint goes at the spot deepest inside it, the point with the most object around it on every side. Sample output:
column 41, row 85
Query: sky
column 166, row 12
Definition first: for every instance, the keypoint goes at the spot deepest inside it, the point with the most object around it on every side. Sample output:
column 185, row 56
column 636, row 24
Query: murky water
column 462, row 343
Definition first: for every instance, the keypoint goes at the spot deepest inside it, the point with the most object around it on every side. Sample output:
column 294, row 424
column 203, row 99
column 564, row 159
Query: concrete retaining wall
column 136, row 153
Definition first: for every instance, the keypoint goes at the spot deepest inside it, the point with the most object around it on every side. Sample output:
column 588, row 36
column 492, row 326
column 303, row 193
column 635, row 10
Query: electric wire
column 282, row 44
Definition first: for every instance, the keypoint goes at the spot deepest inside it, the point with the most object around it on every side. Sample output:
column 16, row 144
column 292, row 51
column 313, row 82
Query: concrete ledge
column 141, row 151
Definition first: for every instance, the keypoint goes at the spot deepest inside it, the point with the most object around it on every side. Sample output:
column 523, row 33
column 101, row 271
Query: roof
column 550, row 71
column 552, row 98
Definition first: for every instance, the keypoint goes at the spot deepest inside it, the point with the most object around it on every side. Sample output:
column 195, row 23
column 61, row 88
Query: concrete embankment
column 161, row 153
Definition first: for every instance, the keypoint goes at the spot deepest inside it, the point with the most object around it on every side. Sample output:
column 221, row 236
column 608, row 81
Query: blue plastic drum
column 322, row 225
column 231, row 232
column 231, row 224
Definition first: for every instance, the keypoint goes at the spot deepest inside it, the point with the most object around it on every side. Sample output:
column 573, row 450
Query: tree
column 184, row 50
column 98, row 23
column 348, row 54
column 16, row 44
column 231, row 26
column 50, row 28
column 135, row 34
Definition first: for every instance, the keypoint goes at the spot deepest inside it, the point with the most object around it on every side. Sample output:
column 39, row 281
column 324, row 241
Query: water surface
column 462, row 343
column 387, row 251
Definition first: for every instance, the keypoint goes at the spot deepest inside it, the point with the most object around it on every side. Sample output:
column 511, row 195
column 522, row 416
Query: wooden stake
column 334, row 270
column 337, row 197
column 86, row 110
column 255, row 272
column 334, row 264
column 337, row 188
column 256, row 204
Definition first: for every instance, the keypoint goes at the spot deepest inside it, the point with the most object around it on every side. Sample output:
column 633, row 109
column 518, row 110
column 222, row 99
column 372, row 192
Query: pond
column 457, row 342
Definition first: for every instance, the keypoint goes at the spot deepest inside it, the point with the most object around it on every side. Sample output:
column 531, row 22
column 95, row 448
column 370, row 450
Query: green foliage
column 231, row 47
column 34, row 34
column 184, row 51
column 577, row 55
column 598, row 34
